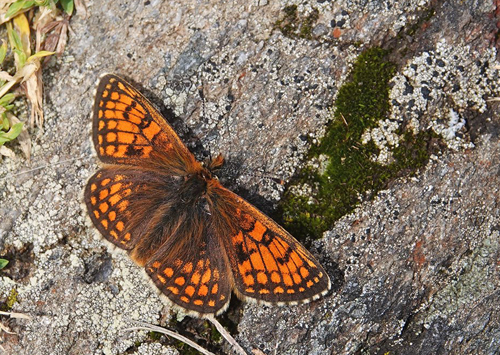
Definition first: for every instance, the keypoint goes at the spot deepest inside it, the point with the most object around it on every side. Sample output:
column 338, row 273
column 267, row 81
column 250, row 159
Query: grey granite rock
column 415, row 271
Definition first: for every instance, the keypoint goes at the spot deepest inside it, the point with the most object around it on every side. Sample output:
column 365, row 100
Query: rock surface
column 416, row 270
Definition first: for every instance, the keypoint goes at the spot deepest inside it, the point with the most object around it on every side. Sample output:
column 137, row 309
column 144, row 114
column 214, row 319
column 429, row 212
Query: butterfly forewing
column 269, row 264
column 127, row 129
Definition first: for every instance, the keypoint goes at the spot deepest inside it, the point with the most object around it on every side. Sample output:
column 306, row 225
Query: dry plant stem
column 227, row 336
column 150, row 327
column 14, row 315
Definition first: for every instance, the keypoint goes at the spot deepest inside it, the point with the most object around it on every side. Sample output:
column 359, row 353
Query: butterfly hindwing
column 191, row 270
column 107, row 198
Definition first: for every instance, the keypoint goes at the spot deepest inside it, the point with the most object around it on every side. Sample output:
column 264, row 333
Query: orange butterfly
column 197, row 240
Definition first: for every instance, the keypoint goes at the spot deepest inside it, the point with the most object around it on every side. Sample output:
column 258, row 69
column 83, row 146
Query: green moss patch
column 11, row 300
column 294, row 25
column 344, row 172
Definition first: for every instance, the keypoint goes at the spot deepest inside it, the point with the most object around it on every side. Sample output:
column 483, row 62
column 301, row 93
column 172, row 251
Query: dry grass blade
column 154, row 328
column 15, row 315
column 227, row 336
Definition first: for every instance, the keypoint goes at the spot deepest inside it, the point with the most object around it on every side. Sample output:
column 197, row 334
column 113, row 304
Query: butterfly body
column 197, row 240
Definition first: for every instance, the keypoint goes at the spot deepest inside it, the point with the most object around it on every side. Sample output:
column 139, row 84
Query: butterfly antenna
column 265, row 175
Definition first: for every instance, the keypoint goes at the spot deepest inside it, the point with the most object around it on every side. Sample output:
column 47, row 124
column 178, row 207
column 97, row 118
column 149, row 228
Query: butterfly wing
column 191, row 270
column 268, row 264
column 128, row 129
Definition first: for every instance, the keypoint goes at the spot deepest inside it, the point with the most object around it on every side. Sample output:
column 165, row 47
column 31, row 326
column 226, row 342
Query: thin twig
column 227, row 336
column 43, row 167
column 150, row 327
column 15, row 315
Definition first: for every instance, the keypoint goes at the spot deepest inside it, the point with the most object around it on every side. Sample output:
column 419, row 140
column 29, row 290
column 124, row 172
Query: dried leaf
column 6, row 152
column 81, row 9
column 22, row 26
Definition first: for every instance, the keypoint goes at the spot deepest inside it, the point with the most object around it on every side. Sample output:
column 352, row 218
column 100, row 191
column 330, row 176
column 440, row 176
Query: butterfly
column 197, row 241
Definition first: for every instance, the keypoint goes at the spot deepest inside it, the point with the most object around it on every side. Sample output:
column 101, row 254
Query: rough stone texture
column 415, row 271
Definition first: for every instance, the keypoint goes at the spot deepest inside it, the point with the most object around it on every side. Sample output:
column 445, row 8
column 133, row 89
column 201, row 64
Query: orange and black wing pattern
column 107, row 196
column 192, row 271
column 197, row 240
column 128, row 129
column 268, row 264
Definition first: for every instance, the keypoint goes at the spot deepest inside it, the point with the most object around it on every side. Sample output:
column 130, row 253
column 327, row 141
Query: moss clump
column 350, row 173
column 11, row 300
column 294, row 26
